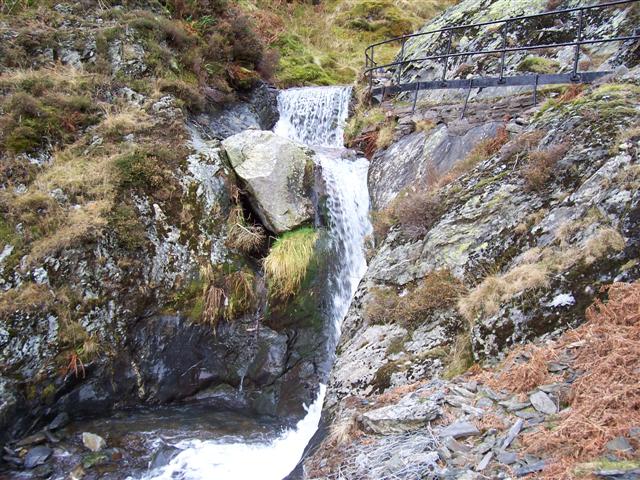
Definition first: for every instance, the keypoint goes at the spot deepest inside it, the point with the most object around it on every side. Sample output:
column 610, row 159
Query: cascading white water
column 314, row 116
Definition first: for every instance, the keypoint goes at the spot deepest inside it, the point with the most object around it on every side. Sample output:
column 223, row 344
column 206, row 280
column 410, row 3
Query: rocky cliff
column 131, row 244
column 492, row 231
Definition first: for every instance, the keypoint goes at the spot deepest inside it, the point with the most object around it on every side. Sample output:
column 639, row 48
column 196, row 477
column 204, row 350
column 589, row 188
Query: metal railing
column 575, row 76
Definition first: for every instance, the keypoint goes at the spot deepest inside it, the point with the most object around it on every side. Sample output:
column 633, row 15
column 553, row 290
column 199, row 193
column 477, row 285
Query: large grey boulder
column 278, row 175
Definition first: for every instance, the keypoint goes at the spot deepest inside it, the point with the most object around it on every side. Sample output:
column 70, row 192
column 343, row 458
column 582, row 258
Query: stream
column 316, row 117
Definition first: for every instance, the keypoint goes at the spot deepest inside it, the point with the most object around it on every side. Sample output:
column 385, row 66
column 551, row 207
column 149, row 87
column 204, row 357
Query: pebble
column 34, row 439
column 37, row 456
column 456, row 446
column 527, row 469
column 484, row 463
column 507, row 458
column 60, row 420
column 619, row 445
column 514, row 406
column 459, row 429
column 93, row 442
column 512, row 433
column 471, row 386
column 485, row 403
column 543, row 403
column 463, row 392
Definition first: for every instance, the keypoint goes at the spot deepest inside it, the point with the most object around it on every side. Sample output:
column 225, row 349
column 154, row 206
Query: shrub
column 190, row 94
column 438, row 290
column 125, row 222
column 288, row 260
column 541, row 164
column 246, row 46
column 145, row 168
column 415, row 212
column 386, row 135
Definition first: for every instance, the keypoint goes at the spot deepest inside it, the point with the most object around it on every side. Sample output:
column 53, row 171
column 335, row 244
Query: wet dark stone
column 37, row 456
column 60, row 420
column 163, row 456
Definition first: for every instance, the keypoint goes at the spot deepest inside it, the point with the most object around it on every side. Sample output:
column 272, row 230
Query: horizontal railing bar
column 484, row 82
column 500, row 50
column 504, row 20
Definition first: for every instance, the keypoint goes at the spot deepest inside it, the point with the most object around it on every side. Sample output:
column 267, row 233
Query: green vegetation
column 325, row 44
column 222, row 293
column 288, row 260
column 539, row 65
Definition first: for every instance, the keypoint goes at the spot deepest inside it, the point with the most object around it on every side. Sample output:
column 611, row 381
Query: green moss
column 585, row 469
column 298, row 66
column 125, row 222
column 32, row 123
column 539, row 65
column 381, row 16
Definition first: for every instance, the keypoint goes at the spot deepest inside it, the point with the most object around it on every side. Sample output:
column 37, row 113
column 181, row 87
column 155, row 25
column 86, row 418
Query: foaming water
column 211, row 460
column 316, row 117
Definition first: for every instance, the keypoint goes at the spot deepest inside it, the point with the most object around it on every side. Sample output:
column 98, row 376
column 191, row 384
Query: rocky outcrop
column 511, row 202
column 278, row 175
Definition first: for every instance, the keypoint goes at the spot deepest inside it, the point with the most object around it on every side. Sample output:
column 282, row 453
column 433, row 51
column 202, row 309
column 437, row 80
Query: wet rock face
column 278, row 175
column 257, row 112
column 419, row 154
column 168, row 359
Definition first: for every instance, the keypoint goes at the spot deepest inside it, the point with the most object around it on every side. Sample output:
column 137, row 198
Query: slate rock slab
column 543, row 403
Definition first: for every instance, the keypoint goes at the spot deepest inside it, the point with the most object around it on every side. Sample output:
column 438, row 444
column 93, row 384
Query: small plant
column 414, row 211
column 541, row 165
column 288, row 261
column 438, row 290
column 486, row 298
column 243, row 236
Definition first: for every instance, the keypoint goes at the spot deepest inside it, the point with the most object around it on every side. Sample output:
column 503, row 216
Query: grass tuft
column 288, row 260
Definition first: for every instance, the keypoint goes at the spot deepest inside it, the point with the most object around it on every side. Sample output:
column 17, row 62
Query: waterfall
column 316, row 117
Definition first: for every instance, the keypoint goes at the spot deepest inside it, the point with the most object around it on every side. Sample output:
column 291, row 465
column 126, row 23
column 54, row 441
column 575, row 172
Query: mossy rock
column 539, row 65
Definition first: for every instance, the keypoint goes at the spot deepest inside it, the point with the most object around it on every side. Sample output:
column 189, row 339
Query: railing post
column 576, row 57
column 415, row 97
column 504, row 51
column 399, row 73
column 446, row 57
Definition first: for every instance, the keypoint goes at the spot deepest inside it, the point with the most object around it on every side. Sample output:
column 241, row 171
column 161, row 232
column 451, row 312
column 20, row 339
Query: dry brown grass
column 605, row 399
column 83, row 223
column 243, row 236
column 541, row 165
column 523, row 370
column 486, row 298
column 393, row 395
column 386, row 135
column 437, row 290
column 29, row 298
column 343, row 430
column 601, row 243
column 413, row 211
